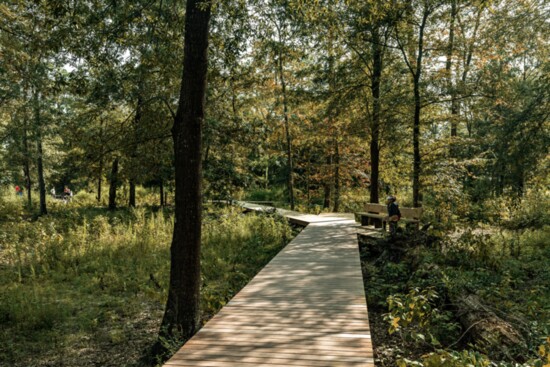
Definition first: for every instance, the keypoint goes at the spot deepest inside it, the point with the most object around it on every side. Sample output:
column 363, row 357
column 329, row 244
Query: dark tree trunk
column 181, row 317
column 416, row 146
column 417, row 196
column 308, row 175
column 161, row 189
column 375, row 128
column 455, row 106
column 519, row 178
column 267, row 176
column 206, row 155
column 39, row 152
column 27, row 164
column 133, row 156
column 336, row 176
column 290, row 178
column 327, row 184
column 132, row 194
column 41, row 183
column 100, row 173
column 448, row 70
column 470, row 52
column 416, row 73
column 448, row 66
column 331, row 114
column 455, row 110
column 27, row 172
column 326, row 201
column 99, row 181
column 113, row 185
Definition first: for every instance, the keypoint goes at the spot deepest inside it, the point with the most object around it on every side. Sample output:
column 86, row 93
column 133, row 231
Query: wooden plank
column 302, row 355
column 280, row 358
column 231, row 348
column 305, row 308
column 375, row 208
column 374, row 215
column 289, row 361
column 264, row 363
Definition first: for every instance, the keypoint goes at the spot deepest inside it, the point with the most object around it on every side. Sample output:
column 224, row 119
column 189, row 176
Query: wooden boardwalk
column 305, row 308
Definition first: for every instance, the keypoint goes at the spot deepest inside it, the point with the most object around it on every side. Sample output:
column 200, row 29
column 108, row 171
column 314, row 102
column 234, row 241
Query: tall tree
column 448, row 70
column 39, row 152
column 276, row 34
column 133, row 154
column 372, row 23
column 26, row 161
column 377, row 65
column 181, row 317
column 413, row 54
column 282, row 34
column 113, row 184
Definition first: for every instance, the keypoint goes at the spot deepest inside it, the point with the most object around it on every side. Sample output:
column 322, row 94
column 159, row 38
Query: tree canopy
column 323, row 100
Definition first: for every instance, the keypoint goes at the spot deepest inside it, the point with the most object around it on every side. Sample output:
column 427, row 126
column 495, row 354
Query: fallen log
column 490, row 333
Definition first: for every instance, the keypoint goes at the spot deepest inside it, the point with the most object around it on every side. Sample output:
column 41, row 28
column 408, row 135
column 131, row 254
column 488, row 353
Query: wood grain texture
column 305, row 308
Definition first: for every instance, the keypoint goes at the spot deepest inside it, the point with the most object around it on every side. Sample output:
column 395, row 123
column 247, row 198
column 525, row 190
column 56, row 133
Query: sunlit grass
column 82, row 282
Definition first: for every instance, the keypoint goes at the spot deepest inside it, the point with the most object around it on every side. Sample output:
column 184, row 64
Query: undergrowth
column 413, row 288
column 84, row 286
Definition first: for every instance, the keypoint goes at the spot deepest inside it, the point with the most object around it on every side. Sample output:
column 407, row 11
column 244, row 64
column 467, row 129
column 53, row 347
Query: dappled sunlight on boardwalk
column 305, row 308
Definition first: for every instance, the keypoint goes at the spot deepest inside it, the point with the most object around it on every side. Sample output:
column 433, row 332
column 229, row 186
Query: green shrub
column 30, row 309
column 470, row 358
column 416, row 317
column 272, row 194
column 11, row 206
column 145, row 196
column 449, row 359
column 84, row 199
column 536, row 239
column 533, row 211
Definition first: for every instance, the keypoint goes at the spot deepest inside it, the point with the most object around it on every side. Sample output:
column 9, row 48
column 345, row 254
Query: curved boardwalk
column 305, row 308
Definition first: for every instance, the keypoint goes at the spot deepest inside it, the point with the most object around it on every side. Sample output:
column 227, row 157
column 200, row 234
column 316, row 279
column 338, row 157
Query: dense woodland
column 317, row 106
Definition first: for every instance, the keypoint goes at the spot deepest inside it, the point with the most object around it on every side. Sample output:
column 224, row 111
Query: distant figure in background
column 17, row 190
column 67, row 193
column 394, row 214
column 52, row 191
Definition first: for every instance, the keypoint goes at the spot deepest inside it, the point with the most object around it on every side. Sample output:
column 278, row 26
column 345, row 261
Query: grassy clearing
column 86, row 287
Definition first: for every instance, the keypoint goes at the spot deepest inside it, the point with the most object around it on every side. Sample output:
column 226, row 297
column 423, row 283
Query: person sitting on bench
column 394, row 214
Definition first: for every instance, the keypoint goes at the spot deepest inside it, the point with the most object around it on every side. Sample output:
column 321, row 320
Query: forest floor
column 106, row 346
column 434, row 274
column 86, row 287
column 388, row 348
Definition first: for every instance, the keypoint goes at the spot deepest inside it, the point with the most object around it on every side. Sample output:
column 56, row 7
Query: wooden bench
column 375, row 214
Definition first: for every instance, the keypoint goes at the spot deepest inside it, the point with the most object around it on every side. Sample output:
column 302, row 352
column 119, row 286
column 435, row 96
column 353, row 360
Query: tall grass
column 234, row 249
column 83, row 286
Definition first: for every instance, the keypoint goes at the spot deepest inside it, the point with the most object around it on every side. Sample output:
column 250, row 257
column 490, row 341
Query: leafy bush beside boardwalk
column 477, row 297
